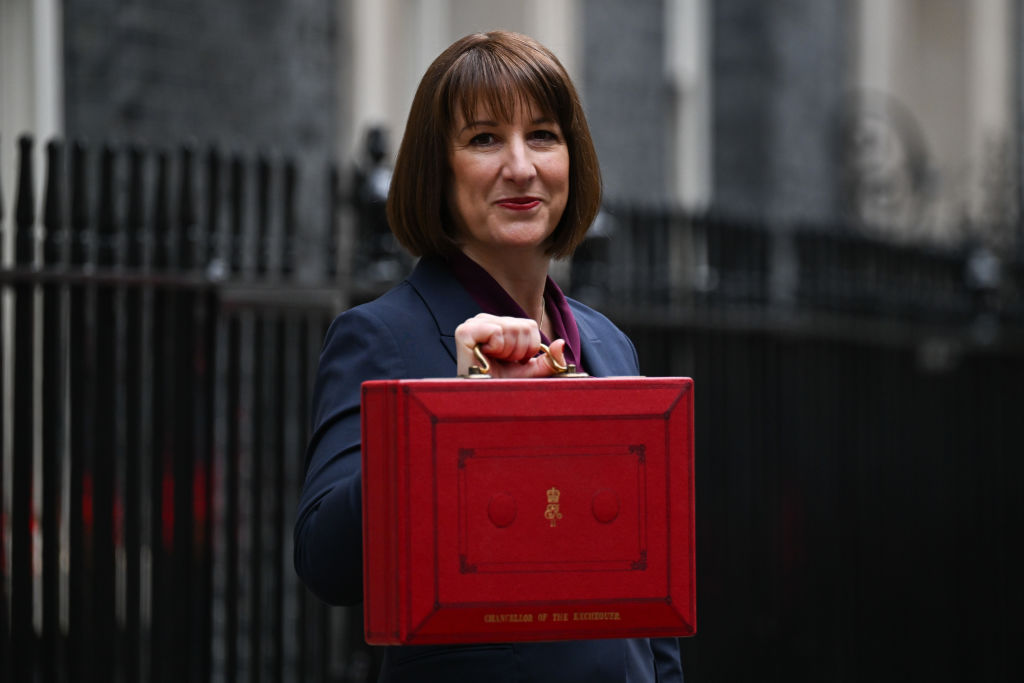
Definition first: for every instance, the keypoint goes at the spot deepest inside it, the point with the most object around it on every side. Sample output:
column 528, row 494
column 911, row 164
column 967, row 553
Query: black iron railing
column 160, row 360
column 856, row 426
column 673, row 268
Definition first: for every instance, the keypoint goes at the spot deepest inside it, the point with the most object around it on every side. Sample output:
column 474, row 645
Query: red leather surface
column 504, row 510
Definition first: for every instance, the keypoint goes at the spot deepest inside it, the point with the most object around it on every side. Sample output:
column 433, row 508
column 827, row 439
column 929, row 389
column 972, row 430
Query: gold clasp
column 482, row 370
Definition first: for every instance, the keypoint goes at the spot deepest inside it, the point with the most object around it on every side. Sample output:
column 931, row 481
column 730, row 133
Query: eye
column 483, row 140
column 544, row 136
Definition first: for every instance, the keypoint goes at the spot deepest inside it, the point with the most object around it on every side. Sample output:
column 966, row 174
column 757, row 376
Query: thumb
column 556, row 351
column 543, row 364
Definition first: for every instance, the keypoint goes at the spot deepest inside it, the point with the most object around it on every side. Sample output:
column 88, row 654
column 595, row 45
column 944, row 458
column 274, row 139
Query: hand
column 510, row 344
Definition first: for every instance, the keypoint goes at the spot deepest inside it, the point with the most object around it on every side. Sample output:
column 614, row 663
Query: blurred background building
column 899, row 115
column 812, row 207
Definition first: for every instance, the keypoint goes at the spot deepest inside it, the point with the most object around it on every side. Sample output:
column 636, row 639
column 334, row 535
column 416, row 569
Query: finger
column 526, row 342
column 480, row 329
column 475, row 331
column 518, row 340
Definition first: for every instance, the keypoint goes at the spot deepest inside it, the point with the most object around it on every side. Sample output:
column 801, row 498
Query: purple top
column 492, row 298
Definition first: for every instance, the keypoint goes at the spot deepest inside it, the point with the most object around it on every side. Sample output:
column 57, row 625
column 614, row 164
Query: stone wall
column 626, row 97
column 250, row 76
column 780, row 77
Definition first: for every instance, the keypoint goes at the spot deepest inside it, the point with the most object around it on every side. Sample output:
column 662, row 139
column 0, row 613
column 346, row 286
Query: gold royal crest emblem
column 552, row 513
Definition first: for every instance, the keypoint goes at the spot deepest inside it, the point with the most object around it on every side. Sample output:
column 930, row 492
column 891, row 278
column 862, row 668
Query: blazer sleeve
column 328, row 529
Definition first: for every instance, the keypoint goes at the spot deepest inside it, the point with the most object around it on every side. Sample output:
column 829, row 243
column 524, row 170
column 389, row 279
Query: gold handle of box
column 482, row 370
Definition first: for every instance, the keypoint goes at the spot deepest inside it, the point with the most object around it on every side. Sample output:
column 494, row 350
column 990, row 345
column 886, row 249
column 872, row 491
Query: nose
column 518, row 166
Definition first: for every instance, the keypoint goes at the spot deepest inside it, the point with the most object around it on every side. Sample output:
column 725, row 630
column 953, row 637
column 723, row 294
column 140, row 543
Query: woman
column 496, row 175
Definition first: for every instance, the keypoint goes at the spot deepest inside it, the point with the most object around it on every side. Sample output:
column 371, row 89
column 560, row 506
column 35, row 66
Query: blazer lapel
column 593, row 359
column 448, row 302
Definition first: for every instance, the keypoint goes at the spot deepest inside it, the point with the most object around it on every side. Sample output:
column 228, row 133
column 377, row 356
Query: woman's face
column 509, row 179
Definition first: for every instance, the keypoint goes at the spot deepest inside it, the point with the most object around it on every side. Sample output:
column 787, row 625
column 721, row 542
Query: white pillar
column 878, row 22
column 990, row 109
column 556, row 25
column 372, row 69
column 687, row 50
column 31, row 81
column 427, row 35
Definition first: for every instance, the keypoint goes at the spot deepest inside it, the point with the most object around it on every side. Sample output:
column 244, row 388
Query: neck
column 522, row 275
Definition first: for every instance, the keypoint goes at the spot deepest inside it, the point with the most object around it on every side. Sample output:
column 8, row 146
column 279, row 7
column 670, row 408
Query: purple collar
column 492, row 298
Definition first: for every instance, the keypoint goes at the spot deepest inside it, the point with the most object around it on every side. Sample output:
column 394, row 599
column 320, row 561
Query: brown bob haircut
column 500, row 71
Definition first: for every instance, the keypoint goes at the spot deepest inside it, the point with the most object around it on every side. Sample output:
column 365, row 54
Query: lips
column 518, row 203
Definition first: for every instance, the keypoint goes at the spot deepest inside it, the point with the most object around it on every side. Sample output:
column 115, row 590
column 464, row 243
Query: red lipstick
column 518, row 203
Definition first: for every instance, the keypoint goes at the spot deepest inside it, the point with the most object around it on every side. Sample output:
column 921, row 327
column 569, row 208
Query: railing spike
column 237, row 213
column 291, row 181
column 135, row 220
column 162, row 214
column 24, row 207
column 263, row 193
column 187, row 238
column 106, row 225
column 333, row 203
column 80, row 229
column 53, row 205
column 213, row 205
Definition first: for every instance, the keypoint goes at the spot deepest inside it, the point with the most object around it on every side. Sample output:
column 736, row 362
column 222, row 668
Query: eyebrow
column 488, row 122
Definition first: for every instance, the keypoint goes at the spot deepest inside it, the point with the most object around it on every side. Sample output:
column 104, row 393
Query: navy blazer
column 409, row 333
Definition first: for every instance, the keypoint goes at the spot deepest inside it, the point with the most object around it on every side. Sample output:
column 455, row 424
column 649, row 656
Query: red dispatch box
column 511, row 510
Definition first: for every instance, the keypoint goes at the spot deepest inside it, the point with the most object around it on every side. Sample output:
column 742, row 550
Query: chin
column 525, row 243
column 525, row 235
